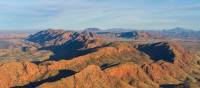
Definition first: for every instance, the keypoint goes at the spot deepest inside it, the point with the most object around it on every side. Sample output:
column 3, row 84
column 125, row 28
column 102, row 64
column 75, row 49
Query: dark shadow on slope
column 68, row 50
column 174, row 86
column 37, row 62
column 106, row 65
column 168, row 86
column 62, row 74
column 158, row 51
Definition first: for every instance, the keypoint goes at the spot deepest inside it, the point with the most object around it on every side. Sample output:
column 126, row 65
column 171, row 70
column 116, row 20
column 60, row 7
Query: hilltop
column 59, row 58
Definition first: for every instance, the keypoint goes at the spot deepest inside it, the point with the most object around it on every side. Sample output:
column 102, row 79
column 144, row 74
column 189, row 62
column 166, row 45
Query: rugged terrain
column 88, row 60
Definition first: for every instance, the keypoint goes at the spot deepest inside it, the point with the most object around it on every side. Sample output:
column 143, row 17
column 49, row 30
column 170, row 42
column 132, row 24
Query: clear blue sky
column 79, row 14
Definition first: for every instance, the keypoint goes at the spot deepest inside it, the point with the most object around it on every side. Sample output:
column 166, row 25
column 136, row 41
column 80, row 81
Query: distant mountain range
column 181, row 33
column 177, row 33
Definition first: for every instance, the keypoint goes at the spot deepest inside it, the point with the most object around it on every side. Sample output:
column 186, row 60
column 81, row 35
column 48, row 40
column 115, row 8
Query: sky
column 105, row 14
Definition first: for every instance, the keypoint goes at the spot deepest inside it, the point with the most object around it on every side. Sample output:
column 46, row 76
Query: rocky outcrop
column 65, row 44
column 52, row 37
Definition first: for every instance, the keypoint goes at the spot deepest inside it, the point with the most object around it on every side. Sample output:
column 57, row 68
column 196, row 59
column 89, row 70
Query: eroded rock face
column 92, row 76
column 131, row 74
column 165, row 73
column 118, row 65
column 17, row 74
column 124, row 76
